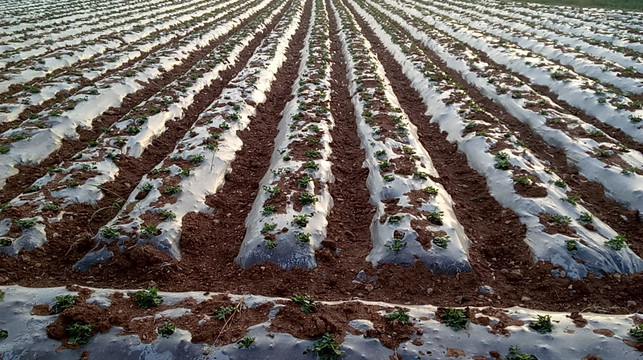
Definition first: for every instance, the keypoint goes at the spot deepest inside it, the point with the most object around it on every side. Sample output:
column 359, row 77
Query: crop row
column 559, row 228
column 287, row 222
column 414, row 219
column 154, row 211
column 60, row 121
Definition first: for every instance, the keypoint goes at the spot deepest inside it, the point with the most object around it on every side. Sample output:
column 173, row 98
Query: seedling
column 109, row 232
column 224, row 311
column 271, row 244
column 147, row 187
column 431, row 190
column 435, row 217
column 303, row 238
column 637, row 332
column 523, row 180
column 26, row 223
column 327, row 348
column 585, row 217
column 246, row 342
column 167, row 214
column 273, row 191
column 571, row 245
column 62, row 302
column 502, row 161
column 72, row 183
column 543, row 324
column 454, row 318
column 442, row 241
column 268, row 210
column 312, row 153
column 185, row 172
column 79, row 333
column 420, row 175
column 3, row 334
column 617, row 243
column 148, row 298
column 515, row 354
column 268, row 227
column 149, row 230
column 306, row 303
column 311, row 165
column 133, row 130
column 172, row 190
column 304, row 180
column 49, row 206
column 307, row 198
column 396, row 245
column 558, row 219
column 19, row 136
column 4, row 149
column 196, row 159
column 301, row 220
column 572, row 199
column 166, row 330
column 399, row 316
column 5, row 242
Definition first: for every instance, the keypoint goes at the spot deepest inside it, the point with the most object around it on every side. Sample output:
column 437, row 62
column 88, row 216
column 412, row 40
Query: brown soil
column 578, row 319
column 210, row 242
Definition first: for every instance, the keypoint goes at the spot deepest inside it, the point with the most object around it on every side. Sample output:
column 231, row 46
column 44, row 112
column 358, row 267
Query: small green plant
column 149, row 230
column 5, row 242
column 268, row 210
column 166, row 330
column 571, row 245
column 617, row 243
column 303, row 238
column 523, row 180
column 442, row 241
column 306, row 303
column 224, row 311
column 327, row 348
column 196, row 159
column 303, row 181
column 133, row 130
column 573, row 199
column 516, row 354
column 167, row 214
column 431, row 190
column 26, row 223
column 435, row 217
column 109, row 232
column 311, row 165
column 72, row 183
column 637, row 332
column 399, row 316
column 62, row 302
column 396, row 245
column 49, row 206
column 272, row 190
column 502, row 161
column 172, row 190
column 585, row 217
column 420, row 175
column 148, row 298
column 542, row 324
column 394, row 219
column 246, row 342
column 454, row 318
column 558, row 219
column 79, row 333
column 268, row 227
column 3, row 334
column 4, row 149
column 270, row 244
column 312, row 153
column 147, row 187
column 307, row 198
column 301, row 220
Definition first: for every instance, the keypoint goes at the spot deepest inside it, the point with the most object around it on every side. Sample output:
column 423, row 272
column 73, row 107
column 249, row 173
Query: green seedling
column 166, row 330
column 272, row 190
column 246, row 342
column 268, row 210
column 399, row 316
column 148, row 298
column 637, row 332
column 167, row 214
column 455, row 318
column 62, row 302
column 268, row 227
column 585, row 217
column 79, row 333
column 571, row 245
column 543, row 324
column 396, row 245
column 307, row 198
column 303, row 238
column 224, row 311
column 306, row 303
column 516, row 354
column 435, row 217
column 327, row 348
column 109, row 232
column 3, row 334
column 49, row 206
column 301, row 220
column 617, row 243
column 442, row 241
column 26, row 223
column 172, row 190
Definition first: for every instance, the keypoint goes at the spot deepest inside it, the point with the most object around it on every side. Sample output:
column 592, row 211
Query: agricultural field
column 320, row 179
